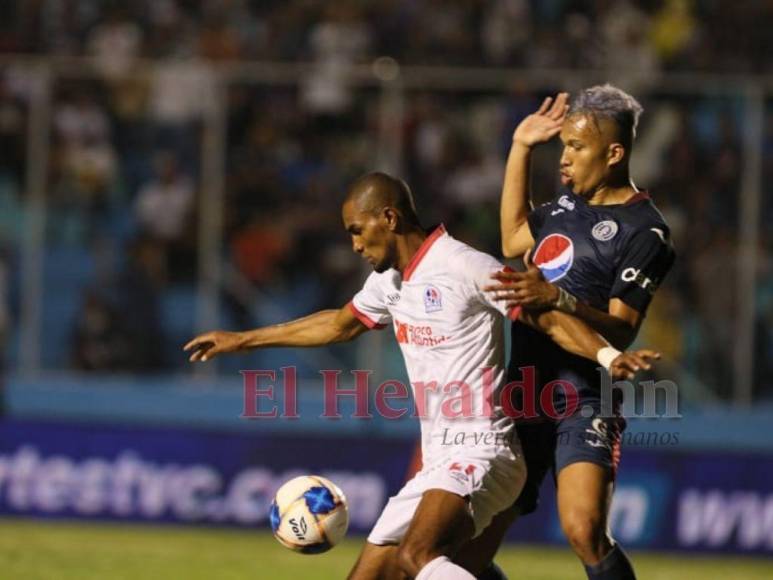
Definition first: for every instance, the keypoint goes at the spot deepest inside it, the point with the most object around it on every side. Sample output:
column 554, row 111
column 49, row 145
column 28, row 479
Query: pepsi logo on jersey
column 554, row 256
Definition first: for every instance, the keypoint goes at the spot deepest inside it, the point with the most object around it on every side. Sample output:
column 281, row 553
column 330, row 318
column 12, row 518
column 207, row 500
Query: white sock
column 442, row 568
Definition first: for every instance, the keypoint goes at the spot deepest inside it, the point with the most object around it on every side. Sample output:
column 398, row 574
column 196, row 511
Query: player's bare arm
column 530, row 290
column 537, row 128
column 318, row 329
column 575, row 336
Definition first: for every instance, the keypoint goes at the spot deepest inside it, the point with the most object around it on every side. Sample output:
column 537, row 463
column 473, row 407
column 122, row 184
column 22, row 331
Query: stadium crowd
column 124, row 175
column 670, row 34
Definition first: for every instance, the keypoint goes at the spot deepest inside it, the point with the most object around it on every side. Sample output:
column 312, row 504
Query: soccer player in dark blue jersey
column 598, row 250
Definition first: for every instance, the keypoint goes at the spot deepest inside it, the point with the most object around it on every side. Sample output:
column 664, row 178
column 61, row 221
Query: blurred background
column 173, row 166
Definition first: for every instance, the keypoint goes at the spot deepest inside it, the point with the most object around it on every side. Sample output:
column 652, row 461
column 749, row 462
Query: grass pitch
column 35, row 550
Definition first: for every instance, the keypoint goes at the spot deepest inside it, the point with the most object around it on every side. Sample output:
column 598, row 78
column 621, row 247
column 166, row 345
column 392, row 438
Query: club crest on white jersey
column 433, row 300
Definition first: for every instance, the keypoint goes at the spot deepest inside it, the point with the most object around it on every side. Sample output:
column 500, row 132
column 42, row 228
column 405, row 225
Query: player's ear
column 391, row 217
column 615, row 154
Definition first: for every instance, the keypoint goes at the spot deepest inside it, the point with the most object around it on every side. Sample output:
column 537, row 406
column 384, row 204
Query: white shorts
column 490, row 481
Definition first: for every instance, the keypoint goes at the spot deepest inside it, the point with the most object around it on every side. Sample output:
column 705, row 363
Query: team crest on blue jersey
column 554, row 256
column 605, row 230
column 433, row 301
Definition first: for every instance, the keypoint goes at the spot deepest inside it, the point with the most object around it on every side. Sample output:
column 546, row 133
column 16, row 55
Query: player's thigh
column 584, row 492
column 586, row 457
column 441, row 524
column 377, row 563
column 538, row 444
column 537, row 441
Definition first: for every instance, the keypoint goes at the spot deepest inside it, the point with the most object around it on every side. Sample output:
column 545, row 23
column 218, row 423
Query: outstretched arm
column 575, row 336
column 318, row 329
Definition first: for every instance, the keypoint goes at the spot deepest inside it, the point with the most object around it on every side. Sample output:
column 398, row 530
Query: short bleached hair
column 608, row 102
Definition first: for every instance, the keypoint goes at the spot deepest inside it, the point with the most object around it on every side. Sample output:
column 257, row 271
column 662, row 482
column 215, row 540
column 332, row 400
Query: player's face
column 371, row 237
column 585, row 161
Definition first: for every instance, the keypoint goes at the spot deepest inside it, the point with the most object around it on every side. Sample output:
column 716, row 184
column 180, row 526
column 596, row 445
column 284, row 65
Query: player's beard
column 385, row 263
column 381, row 267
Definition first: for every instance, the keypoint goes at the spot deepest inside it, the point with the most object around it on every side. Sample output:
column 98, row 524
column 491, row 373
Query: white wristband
column 606, row 355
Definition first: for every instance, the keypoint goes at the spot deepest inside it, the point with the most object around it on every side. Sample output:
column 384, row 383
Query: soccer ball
column 309, row 514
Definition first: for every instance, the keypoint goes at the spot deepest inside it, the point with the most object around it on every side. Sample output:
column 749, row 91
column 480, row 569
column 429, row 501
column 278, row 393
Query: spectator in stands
column 85, row 165
column 137, row 291
column 99, row 341
column 12, row 135
column 339, row 40
column 164, row 211
column 115, row 43
column 288, row 143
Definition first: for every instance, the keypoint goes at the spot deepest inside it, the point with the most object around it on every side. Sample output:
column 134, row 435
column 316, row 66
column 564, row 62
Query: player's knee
column 477, row 554
column 586, row 535
column 413, row 555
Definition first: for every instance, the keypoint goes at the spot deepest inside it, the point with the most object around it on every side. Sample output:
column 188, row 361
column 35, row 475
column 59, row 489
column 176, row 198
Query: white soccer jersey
column 451, row 335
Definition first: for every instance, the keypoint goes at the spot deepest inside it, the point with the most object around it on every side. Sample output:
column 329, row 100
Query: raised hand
column 544, row 124
column 209, row 345
column 628, row 363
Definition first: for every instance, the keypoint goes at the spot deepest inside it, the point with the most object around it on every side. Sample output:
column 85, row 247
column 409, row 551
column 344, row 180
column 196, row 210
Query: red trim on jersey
column 364, row 318
column 638, row 197
column 416, row 463
column 616, row 452
column 617, row 433
column 421, row 252
column 514, row 312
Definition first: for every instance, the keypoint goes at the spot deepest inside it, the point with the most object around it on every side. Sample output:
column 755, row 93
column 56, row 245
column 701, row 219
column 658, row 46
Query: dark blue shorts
column 552, row 445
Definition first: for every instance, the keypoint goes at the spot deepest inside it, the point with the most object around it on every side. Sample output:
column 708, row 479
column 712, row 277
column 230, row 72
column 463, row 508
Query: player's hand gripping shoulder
column 528, row 289
column 544, row 124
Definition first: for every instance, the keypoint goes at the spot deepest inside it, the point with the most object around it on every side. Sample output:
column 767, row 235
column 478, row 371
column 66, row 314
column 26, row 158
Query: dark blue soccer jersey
column 595, row 252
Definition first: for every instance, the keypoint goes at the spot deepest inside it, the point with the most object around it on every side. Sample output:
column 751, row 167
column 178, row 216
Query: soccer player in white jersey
column 429, row 287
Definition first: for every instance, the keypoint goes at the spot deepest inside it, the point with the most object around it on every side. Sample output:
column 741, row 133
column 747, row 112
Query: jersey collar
column 642, row 195
column 637, row 197
column 422, row 251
